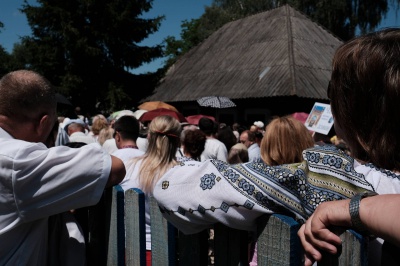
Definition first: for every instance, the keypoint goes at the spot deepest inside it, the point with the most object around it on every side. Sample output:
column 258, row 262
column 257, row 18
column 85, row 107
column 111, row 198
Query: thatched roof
column 280, row 52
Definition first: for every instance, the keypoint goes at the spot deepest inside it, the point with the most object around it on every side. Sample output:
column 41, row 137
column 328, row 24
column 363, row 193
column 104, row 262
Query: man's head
column 365, row 95
column 126, row 128
column 27, row 101
column 75, row 127
column 253, row 128
column 207, row 126
column 248, row 138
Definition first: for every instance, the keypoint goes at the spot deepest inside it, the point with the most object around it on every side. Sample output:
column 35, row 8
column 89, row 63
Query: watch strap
column 354, row 209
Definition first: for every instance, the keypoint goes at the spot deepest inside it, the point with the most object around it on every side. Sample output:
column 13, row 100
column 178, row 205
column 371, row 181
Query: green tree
column 5, row 58
column 342, row 17
column 87, row 49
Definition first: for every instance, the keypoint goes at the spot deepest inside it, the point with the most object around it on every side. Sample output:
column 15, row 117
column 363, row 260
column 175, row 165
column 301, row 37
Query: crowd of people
column 222, row 173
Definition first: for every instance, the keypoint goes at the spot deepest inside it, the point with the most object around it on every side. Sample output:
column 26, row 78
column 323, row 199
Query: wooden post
column 116, row 239
column 135, row 227
column 278, row 243
column 163, row 250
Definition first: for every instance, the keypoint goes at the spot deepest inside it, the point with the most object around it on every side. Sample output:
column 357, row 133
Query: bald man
column 35, row 181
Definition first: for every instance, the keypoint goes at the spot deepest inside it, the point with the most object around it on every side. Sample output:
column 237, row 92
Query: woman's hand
column 316, row 234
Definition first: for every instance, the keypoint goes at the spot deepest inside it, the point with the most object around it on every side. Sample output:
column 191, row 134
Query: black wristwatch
column 354, row 209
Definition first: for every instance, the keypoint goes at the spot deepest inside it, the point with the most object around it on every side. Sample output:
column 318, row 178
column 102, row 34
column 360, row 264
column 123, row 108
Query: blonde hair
column 164, row 132
column 99, row 122
column 105, row 134
column 284, row 140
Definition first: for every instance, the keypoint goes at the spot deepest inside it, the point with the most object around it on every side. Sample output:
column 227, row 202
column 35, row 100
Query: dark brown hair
column 365, row 97
column 194, row 142
column 128, row 127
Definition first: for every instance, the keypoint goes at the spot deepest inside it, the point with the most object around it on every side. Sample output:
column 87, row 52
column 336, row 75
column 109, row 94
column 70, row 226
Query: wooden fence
column 122, row 220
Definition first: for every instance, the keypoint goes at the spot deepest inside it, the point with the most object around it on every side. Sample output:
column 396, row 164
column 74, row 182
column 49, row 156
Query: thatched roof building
column 276, row 53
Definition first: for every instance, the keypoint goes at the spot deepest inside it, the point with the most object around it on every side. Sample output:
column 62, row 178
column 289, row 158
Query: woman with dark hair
column 365, row 95
column 226, row 136
column 193, row 143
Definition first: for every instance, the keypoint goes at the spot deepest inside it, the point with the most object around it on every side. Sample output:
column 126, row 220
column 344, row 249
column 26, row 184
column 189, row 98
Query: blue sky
column 175, row 11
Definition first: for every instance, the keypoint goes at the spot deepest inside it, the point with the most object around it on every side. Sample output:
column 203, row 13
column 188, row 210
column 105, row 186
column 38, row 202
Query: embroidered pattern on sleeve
column 326, row 174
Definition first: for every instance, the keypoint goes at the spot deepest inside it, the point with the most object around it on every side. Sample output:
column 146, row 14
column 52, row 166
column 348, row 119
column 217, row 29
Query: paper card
column 320, row 118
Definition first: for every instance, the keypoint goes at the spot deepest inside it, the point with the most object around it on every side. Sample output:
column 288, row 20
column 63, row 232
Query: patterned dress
column 195, row 195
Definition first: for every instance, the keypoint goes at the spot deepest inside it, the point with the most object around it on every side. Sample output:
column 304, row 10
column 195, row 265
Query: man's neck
column 22, row 131
column 127, row 144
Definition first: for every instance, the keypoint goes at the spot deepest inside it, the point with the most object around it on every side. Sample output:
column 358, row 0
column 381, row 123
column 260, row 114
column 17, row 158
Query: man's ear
column 43, row 127
column 117, row 138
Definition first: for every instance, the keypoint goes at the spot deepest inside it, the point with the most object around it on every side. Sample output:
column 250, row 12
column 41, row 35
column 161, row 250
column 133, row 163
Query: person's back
column 126, row 132
column 364, row 92
column 110, row 146
column 76, row 132
column 35, row 181
column 213, row 149
column 144, row 171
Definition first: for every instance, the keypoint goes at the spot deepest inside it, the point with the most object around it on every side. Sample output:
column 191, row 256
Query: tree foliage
column 87, row 48
column 5, row 58
column 342, row 17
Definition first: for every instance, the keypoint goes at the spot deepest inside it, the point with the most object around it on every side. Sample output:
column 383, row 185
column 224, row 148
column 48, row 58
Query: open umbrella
column 149, row 106
column 194, row 119
column 302, row 117
column 139, row 113
column 216, row 102
column 150, row 115
column 120, row 113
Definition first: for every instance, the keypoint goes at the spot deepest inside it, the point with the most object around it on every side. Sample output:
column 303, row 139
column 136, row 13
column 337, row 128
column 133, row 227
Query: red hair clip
column 166, row 134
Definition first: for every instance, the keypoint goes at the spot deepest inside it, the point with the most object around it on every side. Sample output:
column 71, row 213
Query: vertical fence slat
column 163, row 251
column 98, row 226
column 354, row 251
column 135, row 227
column 278, row 243
column 230, row 246
column 193, row 249
column 116, row 239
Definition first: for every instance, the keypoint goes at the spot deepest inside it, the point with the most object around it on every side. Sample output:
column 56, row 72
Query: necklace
column 129, row 146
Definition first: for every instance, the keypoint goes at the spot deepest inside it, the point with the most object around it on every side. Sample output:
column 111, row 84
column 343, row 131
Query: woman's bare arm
column 379, row 214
